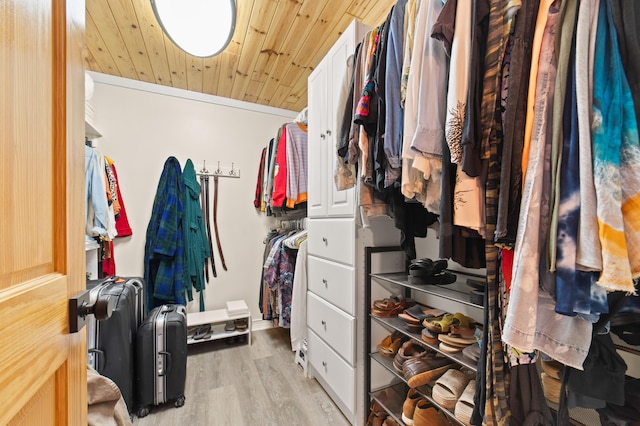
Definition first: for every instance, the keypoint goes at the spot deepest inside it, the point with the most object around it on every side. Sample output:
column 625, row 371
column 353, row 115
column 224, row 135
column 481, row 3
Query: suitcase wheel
column 179, row 402
column 142, row 412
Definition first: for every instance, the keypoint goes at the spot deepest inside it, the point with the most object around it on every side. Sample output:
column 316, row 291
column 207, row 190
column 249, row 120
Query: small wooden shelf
column 217, row 319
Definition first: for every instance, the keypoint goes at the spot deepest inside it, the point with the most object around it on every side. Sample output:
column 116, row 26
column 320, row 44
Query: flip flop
column 417, row 313
column 450, row 349
column 429, row 336
column 202, row 332
column 456, row 340
column 439, row 325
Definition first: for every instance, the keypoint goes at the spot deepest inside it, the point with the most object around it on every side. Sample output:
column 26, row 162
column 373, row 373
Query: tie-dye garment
column 573, row 287
column 616, row 161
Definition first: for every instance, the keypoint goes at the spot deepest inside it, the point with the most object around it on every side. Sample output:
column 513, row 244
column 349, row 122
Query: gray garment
column 589, row 250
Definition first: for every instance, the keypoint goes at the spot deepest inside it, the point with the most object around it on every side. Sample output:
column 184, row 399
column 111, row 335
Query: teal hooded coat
column 196, row 246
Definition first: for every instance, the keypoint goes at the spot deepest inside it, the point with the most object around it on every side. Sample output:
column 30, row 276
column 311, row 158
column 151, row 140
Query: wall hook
column 217, row 172
column 232, row 172
column 204, row 167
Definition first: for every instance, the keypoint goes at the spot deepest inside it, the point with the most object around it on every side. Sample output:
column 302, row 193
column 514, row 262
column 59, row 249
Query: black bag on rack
column 604, row 369
column 161, row 364
column 111, row 342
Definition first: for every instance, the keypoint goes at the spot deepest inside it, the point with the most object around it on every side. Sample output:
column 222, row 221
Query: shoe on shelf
column 420, row 371
column 409, row 406
column 464, row 406
column 202, row 332
column 427, row 415
column 242, row 324
column 409, row 349
column 389, row 345
column 230, row 326
column 448, row 388
column 377, row 414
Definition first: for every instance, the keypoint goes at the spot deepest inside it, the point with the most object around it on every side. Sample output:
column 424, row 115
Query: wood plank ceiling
column 276, row 45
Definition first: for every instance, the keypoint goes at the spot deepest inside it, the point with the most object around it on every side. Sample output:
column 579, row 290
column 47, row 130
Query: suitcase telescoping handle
column 166, row 365
column 98, row 359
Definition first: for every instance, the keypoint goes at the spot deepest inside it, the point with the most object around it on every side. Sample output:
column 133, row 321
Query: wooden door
column 42, row 366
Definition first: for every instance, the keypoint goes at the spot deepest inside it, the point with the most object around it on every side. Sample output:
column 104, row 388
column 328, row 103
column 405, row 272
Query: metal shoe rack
column 454, row 297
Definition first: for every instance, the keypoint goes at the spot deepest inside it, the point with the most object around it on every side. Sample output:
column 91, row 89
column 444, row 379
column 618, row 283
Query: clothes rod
column 227, row 171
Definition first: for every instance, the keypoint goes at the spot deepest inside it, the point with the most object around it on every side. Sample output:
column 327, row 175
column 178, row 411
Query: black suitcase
column 111, row 342
column 161, row 365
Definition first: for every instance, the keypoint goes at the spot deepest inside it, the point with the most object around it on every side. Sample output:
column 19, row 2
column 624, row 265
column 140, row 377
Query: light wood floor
column 235, row 384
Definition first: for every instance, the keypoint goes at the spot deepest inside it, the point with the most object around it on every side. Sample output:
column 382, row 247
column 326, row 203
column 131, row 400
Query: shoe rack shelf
column 391, row 397
column 399, row 325
column 457, row 292
column 217, row 319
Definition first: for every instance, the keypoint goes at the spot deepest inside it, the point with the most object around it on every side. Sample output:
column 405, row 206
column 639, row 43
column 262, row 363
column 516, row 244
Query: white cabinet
column 335, row 316
column 325, row 84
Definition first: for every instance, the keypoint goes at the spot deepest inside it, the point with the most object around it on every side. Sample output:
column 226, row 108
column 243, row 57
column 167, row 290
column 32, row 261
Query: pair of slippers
column 427, row 271
column 201, row 332
column 450, row 387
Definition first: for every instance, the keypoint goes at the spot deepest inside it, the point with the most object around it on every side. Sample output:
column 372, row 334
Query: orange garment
column 541, row 22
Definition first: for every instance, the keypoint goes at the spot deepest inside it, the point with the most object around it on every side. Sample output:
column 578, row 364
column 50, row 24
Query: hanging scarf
column 616, row 161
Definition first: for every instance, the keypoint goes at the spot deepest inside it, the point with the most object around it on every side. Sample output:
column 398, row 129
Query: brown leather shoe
column 427, row 415
column 419, row 371
column 409, row 349
column 409, row 406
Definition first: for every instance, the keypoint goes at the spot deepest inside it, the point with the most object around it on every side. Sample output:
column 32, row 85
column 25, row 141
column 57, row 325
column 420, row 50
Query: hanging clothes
column 616, row 155
column 122, row 225
column 164, row 248
column 297, row 153
column 96, row 210
column 195, row 235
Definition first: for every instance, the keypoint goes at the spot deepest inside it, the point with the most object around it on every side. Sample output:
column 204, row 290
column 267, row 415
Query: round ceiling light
column 201, row 28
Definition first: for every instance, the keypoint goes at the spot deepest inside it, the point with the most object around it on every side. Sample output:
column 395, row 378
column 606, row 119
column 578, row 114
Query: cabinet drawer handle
column 324, row 240
column 324, row 364
column 329, row 132
column 322, row 136
column 323, row 322
column 324, row 281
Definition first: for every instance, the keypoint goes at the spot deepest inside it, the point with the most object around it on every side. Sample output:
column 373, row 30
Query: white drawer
column 332, row 239
column 333, row 282
column 335, row 372
column 333, row 326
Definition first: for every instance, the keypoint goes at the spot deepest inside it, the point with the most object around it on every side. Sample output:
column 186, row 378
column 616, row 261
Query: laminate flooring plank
column 237, row 385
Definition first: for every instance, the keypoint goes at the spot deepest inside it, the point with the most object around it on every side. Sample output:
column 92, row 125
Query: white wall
column 143, row 124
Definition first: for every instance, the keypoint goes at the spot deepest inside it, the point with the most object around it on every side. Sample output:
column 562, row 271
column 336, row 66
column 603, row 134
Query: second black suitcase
column 161, row 352
column 111, row 342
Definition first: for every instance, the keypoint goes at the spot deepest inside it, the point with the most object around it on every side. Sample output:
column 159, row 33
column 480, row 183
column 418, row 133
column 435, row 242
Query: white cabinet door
column 317, row 162
column 339, row 203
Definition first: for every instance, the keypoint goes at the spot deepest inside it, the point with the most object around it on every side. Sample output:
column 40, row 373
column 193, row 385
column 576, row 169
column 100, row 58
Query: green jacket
column 195, row 236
